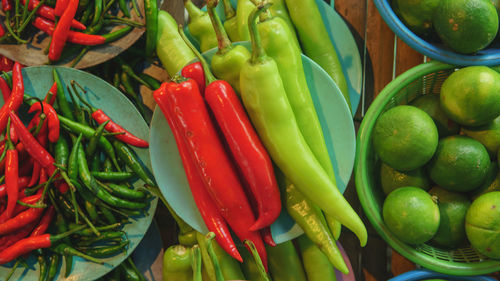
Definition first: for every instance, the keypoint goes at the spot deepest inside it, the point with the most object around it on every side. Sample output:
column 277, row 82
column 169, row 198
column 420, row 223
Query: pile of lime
column 439, row 167
column 466, row 26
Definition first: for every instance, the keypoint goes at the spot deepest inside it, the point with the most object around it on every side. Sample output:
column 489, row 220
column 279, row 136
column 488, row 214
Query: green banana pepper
column 243, row 10
column 196, row 263
column 265, row 100
column 316, row 264
column 227, row 62
column 315, row 41
column 284, row 263
column 200, row 27
column 174, row 54
column 277, row 41
column 278, row 9
column 231, row 24
column 177, row 264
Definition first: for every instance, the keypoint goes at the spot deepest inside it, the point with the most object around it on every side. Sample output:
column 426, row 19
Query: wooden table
column 384, row 57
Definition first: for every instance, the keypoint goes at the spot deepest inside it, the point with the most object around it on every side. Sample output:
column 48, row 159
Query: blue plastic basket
column 489, row 56
column 417, row 275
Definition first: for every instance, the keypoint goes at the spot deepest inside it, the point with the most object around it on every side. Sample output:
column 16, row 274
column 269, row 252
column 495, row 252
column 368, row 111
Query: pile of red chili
column 64, row 188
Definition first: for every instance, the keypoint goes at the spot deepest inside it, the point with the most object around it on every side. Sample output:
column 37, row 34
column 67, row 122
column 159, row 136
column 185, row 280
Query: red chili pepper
column 74, row 37
column 22, row 183
column 20, row 220
column 6, row 63
column 35, row 174
column 52, row 119
column 6, row 5
column 268, row 238
column 16, row 98
column 43, row 177
column 61, row 31
column 60, row 7
column 195, row 72
column 48, row 13
column 208, row 210
column 33, row 199
column 32, row 146
column 53, row 91
column 8, row 240
column 4, row 87
column 11, row 181
column 25, row 246
column 44, row 222
column 211, row 161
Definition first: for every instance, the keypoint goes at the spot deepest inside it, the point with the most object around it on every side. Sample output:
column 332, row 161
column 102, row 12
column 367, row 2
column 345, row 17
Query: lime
column 460, row 164
column 452, row 209
column 466, row 26
column 488, row 135
column 411, row 215
column 482, row 224
column 491, row 183
column 405, row 137
column 431, row 105
column 471, row 95
column 417, row 14
column 391, row 179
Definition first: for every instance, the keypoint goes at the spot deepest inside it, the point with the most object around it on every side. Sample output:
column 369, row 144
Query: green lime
column 460, row 164
column 471, row 96
column 405, row 137
column 417, row 14
column 488, row 135
column 411, row 215
column 391, row 179
column 431, row 105
column 452, row 209
column 466, row 26
column 491, row 183
column 482, row 224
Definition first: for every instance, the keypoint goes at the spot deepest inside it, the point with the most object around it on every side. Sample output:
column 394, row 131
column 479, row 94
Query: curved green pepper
column 266, row 102
column 284, row 263
column 227, row 62
column 174, row 54
column 177, row 264
column 200, row 27
column 315, row 41
column 277, row 41
column 231, row 24
column 316, row 264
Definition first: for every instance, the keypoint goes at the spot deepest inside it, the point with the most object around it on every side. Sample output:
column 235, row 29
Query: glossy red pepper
column 74, row 37
column 208, row 210
column 268, row 238
column 33, row 199
column 6, row 5
column 25, row 246
column 8, row 240
column 48, row 13
column 52, row 119
column 35, row 174
column 246, row 148
column 32, row 146
column 210, row 158
column 16, row 97
column 43, row 177
column 22, row 183
column 195, row 72
column 19, row 221
column 44, row 223
column 60, row 7
column 11, row 181
column 4, row 87
column 61, row 31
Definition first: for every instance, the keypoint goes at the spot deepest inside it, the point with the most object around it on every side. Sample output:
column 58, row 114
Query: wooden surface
column 383, row 57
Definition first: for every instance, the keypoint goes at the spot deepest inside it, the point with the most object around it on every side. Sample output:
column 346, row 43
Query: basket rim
column 362, row 186
column 487, row 56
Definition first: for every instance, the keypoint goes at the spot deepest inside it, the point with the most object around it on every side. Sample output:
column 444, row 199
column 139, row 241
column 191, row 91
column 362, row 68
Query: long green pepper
column 266, row 102
column 94, row 140
column 151, row 9
column 200, row 27
column 127, row 155
column 62, row 102
column 284, row 263
column 316, row 264
column 73, row 158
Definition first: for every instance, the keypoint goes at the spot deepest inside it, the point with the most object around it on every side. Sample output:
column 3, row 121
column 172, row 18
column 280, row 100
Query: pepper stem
column 223, row 41
column 210, row 249
column 73, row 83
column 196, row 262
column 258, row 52
column 209, row 77
column 258, row 261
column 55, row 238
column 229, row 11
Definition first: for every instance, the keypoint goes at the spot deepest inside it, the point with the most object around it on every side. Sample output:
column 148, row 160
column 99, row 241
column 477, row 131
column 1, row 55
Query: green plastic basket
column 421, row 80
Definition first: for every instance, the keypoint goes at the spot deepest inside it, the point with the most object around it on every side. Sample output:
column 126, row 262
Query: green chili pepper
column 129, row 89
column 266, row 102
column 131, row 263
column 151, row 9
column 61, row 151
column 196, row 263
column 107, row 167
column 228, row 60
column 62, row 102
column 73, row 158
column 110, row 235
column 86, row 14
column 174, row 54
column 68, row 261
column 177, row 264
column 91, row 210
column 94, row 140
column 79, row 112
column 89, row 232
column 65, row 249
column 125, row 192
column 200, row 27
column 243, row 10
column 127, row 155
column 124, row 8
column 284, row 263
column 88, row 132
column 128, row 273
column 102, row 252
column 152, row 82
column 115, row 35
column 54, row 262
column 277, row 41
column 316, row 264
column 231, row 24
column 95, row 162
column 112, row 176
column 108, row 215
column 42, row 262
column 97, row 12
column 316, row 42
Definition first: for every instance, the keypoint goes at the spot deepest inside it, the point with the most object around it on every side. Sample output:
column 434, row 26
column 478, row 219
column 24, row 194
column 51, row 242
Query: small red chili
column 74, row 37
column 35, row 174
column 4, row 87
column 16, row 98
column 33, row 199
column 11, row 180
column 22, row 183
column 48, row 13
column 8, row 240
column 44, row 222
column 52, row 119
column 60, row 35
column 20, row 220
